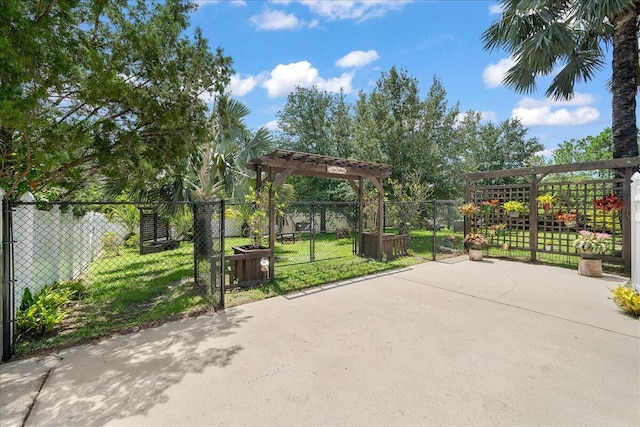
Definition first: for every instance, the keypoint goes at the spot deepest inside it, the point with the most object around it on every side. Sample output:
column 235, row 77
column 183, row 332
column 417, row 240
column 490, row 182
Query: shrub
column 133, row 241
column 627, row 299
column 45, row 311
column 77, row 288
column 111, row 241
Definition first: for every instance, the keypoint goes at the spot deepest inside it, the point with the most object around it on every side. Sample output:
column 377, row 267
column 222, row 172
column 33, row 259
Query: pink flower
column 584, row 232
column 602, row 235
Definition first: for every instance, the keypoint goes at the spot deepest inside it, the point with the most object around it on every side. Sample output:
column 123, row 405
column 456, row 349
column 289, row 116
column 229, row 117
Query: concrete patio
column 457, row 343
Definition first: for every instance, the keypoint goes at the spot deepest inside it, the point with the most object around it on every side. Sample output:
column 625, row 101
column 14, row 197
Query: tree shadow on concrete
column 128, row 375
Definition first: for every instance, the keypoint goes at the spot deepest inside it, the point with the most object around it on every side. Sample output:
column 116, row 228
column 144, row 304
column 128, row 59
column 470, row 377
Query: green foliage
column 258, row 219
column 76, row 288
column 489, row 146
column 133, row 241
column 408, row 208
column 93, row 87
column 111, row 243
column 588, row 241
column 43, row 312
column 513, row 206
column 627, row 299
column 126, row 215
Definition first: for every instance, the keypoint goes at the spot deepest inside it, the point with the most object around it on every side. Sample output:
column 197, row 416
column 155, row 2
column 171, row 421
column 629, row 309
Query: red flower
column 608, row 203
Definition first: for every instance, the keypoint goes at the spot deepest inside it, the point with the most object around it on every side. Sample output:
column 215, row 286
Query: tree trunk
column 624, row 129
column 202, row 233
column 203, row 244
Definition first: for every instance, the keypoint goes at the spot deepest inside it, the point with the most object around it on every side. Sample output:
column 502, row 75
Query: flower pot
column 546, row 206
column 501, row 233
column 475, row 254
column 487, row 208
column 571, row 223
column 548, row 247
column 590, row 267
column 514, row 214
column 447, row 244
column 506, row 246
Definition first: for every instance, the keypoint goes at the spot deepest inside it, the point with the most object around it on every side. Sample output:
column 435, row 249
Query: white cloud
column 239, row 86
column 485, row 116
column 579, row 99
column 494, row 73
column 357, row 10
column 489, row 116
column 533, row 112
column 495, row 9
column 272, row 125
column 560, row 117
column 357, row 58
column 547, row 153
column 284, row 78
column 271, row 20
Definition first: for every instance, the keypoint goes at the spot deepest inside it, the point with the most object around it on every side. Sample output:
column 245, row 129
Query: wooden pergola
column 280, row 164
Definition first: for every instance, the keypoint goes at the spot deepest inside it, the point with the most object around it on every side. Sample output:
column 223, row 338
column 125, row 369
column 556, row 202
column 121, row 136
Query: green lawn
column 128, row 290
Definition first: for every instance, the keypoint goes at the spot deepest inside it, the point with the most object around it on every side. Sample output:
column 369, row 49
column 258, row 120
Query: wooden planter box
column 245, row 269
column 393, row 246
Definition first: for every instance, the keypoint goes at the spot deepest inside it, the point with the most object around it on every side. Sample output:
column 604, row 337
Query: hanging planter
column 547, row 201
column 513, row 208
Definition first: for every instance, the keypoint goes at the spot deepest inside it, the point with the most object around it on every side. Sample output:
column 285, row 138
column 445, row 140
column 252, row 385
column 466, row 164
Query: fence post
column 533, row 217
column 635, row 231
column 312, row 236
column 434, row 218
column 221, row 272
column 7, row 279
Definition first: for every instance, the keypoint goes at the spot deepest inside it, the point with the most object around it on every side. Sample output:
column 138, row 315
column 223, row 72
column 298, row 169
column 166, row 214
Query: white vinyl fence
column 635, row 231
column 54, row 245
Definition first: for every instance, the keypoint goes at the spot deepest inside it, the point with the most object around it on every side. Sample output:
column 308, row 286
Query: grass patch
column 125, row 291
column 298, row 277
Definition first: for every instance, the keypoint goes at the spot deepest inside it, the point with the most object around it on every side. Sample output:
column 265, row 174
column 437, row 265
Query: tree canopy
column 94, row 87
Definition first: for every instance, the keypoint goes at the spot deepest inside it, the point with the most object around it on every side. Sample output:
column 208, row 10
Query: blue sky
column 277, row 45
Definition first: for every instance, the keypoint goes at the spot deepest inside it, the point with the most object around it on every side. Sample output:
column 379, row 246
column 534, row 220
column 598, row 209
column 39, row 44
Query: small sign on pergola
column 280, row 164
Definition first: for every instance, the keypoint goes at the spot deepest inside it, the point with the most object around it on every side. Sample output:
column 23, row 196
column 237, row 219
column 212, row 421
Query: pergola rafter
column 277, row 166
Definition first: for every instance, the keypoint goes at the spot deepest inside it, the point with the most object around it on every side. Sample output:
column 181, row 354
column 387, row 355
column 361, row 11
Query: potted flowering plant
column 513, row 208
column 468, row 209
column 588, row 242
column 489, row 205
column 547, row 201
column 498, row 229
column 448, row 241
column 476, row 242
column 570, row 219
column 590, row 245
column 609, row 203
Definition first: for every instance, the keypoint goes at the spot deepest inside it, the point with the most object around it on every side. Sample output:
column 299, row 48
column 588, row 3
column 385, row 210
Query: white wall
column 635, row 231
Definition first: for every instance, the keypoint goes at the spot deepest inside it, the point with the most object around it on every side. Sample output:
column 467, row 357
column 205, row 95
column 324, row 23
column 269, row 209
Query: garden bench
column 287, row 237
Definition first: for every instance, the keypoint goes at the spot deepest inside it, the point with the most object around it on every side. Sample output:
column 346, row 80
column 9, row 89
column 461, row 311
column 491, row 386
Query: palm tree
column 542, row 35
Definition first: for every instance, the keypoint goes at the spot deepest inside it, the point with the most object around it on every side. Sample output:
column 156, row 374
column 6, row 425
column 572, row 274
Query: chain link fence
column 82, row 268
